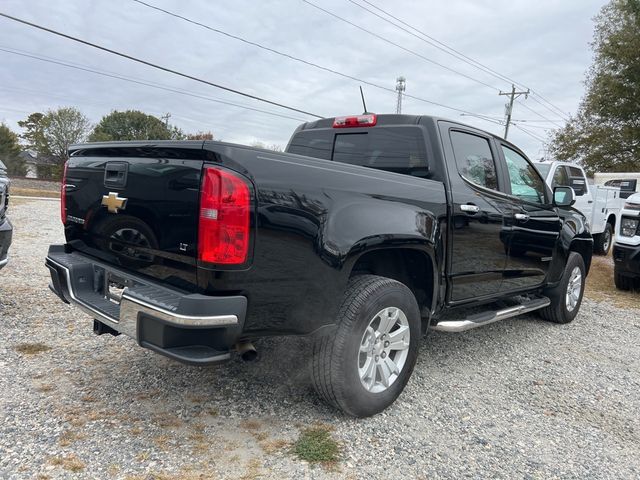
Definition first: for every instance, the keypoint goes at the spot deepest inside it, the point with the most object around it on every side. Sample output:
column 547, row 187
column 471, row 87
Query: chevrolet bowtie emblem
column 113, row 202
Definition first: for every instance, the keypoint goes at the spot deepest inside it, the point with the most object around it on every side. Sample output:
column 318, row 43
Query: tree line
column 604, row 134
column 50, row 134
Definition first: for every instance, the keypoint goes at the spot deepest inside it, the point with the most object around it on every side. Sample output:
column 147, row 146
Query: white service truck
column 626, row 249
column 601, row 205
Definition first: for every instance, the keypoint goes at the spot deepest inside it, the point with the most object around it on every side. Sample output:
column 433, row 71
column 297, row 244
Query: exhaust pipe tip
column 247, row 351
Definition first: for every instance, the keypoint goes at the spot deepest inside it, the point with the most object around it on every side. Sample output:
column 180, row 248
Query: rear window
column 394, row 149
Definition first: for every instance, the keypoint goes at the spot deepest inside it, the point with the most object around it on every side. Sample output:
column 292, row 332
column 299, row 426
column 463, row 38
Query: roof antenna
column 363, row 102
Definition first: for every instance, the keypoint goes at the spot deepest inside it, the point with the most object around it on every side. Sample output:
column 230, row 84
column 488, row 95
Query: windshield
column 543, row 168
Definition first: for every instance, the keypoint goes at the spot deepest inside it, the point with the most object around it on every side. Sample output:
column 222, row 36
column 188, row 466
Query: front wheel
column 566, row 298
column 363, row 366
column 622, row 282
column 602, row 242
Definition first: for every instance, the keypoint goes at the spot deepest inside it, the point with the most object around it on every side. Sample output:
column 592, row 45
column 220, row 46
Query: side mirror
column 564, row 196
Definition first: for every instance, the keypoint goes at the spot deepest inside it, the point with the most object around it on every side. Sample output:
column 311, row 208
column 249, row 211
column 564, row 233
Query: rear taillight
column 63, row 196
column 368, row 120
column 223, row 227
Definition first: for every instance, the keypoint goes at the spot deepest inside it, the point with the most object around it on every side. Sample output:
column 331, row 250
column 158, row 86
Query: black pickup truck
column 6, row 230
column 367, row 232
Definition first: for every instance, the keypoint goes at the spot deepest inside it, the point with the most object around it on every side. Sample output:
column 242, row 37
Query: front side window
column 525, row 181
column 474, row 159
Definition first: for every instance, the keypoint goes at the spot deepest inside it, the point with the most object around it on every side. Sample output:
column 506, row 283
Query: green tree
column 133, row 125
column 10, row 151
column 32, row 135
column 62, row 128
column 604, row 135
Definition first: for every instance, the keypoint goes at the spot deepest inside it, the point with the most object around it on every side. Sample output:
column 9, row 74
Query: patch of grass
column 34, row 192
column 32, row 348
column 69, row 436
column 143, row 456
column 315, row 445
column 162, row 441
column 600, row 285
column 272, row 446
column 69, row 462
column 251, row 425
column 253, row 470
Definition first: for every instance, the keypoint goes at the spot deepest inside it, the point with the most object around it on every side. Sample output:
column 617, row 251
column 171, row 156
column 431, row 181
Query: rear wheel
column 566, row 298
column 363, row 366
column 622, row 282
column 602, row 241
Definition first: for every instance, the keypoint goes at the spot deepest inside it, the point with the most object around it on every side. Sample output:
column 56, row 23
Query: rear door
column 478, row 250
column 534, row 226
column 137, row 208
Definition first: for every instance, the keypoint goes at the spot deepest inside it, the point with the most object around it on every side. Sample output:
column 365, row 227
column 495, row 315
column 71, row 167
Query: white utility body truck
column 601, row 205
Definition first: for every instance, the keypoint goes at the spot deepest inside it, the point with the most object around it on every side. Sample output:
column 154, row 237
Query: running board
column 485, row 318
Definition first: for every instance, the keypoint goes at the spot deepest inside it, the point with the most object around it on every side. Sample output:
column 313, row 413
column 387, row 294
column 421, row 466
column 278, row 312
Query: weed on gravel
column 315, row 445
column 32, row 348
column 69, row 462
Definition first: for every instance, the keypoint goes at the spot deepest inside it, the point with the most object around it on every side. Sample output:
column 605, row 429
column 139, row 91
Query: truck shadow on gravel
column 278, row 383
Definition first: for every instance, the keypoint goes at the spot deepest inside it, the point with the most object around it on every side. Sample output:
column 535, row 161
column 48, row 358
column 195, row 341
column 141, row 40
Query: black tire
column 558, row 312
column 335, row 356
column 622, row 282
column 602, row 242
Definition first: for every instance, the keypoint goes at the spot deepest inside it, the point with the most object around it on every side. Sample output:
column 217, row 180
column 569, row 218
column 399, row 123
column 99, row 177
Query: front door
column 533, row 229
column 478, row 251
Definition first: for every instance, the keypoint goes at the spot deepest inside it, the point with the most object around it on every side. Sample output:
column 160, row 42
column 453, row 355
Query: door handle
column 522, row 217
column 470, row 208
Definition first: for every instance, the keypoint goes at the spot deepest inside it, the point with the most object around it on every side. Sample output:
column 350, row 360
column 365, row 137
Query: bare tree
column 62, row 128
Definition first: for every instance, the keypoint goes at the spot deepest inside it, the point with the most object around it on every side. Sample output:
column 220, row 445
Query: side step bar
column 485, row 318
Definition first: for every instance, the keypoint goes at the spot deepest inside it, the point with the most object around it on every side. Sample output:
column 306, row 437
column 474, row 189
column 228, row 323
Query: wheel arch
column 414, row 267
column 585, row 249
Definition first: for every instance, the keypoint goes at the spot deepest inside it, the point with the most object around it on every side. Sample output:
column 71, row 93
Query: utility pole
column 166, row 117
column 509, row 106
column 400, row 88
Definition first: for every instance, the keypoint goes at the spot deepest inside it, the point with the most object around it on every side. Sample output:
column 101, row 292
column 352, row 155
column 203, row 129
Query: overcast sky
column 542, row 44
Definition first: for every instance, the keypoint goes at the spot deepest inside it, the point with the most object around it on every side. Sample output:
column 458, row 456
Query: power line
column 539, row 114
column 527, row 132
column 292, row 57
column 156, row 66
column 386, row 40
column 455, row 53
column 141, row 82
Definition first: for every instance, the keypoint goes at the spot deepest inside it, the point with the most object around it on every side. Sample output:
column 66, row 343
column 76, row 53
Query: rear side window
column 560, row 177
column 399, row 150
column 312, row 143
column 474, row 159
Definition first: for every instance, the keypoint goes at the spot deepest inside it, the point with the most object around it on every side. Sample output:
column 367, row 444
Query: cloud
column 543, row 45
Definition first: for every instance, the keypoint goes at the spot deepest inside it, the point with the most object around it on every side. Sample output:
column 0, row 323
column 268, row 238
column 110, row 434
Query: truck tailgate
column 136, row 207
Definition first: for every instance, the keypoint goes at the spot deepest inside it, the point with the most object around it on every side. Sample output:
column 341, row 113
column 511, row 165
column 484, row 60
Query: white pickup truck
column 626, row 250
column 601, row 205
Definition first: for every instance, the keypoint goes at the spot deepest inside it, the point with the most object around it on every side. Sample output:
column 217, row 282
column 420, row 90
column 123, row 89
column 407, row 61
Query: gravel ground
column 517, row 399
